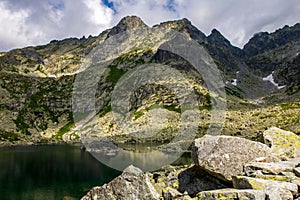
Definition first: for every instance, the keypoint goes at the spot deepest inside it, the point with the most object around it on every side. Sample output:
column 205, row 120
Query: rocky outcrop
column 225, row 156
column 132, row 184
column 283, row 143
column 276, row 53
column 127, row 23
column 264, row 41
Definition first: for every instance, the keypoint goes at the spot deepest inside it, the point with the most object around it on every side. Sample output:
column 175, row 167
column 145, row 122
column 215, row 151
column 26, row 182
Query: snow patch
column 271, row 79
column 234, row 82
column 52, row 76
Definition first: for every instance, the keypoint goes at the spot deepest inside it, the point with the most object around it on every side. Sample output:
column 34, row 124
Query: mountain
column 261, row 81
column 278, row 54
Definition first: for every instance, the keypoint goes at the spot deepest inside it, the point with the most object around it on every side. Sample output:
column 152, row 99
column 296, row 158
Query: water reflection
column 145, row 156
column 49, row 172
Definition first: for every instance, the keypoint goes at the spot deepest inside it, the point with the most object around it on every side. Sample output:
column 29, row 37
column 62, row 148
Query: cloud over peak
column 32, row 22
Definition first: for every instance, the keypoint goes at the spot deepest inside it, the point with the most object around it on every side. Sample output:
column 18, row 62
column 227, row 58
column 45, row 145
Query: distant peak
column 184, row 21
column 127, row 23
column 183, row 25
column 215, row 32
column 216, row 36
column 131, row 22
column 176, row 23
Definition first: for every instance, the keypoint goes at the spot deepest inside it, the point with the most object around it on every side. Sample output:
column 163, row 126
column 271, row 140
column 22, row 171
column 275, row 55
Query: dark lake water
column 49, row 172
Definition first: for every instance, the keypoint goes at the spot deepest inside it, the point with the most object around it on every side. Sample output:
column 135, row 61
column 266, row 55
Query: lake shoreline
column 25, row 144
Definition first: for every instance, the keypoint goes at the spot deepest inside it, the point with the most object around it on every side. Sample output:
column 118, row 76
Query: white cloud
column 237, row 20
column 12, row 27
column 99, row 13
column 32, row 22
column 152, row 12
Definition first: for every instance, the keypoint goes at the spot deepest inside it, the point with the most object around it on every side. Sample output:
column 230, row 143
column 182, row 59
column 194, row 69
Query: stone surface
column 274, row 168
column 283, row 143
column 187, row 179
column 232, row 194
column 275, row 193
column 243, row 182
column 297, row 171
column 225, row 156
column 132, row 184
column 172, row 194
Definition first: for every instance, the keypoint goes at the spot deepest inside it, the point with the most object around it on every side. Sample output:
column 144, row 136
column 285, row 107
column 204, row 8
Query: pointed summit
column 217, row 38
column 184, row 25
column 127, row 23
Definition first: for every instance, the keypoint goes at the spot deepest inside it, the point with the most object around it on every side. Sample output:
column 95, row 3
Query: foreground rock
column 132, row 184
column 225, row 156
column 281, row 189
column 273, row 168
column 188, row 180
column 220, row 163
column 232, row 194
column 283, row 143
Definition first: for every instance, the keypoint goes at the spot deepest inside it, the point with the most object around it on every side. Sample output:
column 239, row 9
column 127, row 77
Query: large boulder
column 132, row 184
column 225, row 156
column 283, row 143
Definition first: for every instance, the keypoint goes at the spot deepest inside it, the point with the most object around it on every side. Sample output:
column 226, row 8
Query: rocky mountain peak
column 264, row 41
column 217, row 38
column 127, row 23
column 184, row 25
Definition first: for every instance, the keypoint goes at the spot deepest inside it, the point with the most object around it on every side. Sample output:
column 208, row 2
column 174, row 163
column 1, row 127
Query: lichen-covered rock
column 283, row 143
column 225, row 156
column 132, row 184
column 172, row 194
column 243, row 182
column 232, row 194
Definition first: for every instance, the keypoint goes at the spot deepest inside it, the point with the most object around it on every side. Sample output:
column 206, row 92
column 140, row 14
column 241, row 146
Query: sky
column 35, row 22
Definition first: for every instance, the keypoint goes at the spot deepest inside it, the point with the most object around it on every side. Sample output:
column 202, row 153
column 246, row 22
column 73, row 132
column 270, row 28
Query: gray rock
column 283, row 143
column 243, row 182
column 268, row 168
column 189, row 180
column 297, row 171
column 275, row 193
column 232, row 194
column 172, row 194
column 132, row 184
column 225, row 156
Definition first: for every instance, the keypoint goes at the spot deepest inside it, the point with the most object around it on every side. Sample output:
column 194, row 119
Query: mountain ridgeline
column 262, row 83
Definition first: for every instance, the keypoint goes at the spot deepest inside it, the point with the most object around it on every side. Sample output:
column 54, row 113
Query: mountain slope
column 278, row 54
column 37, row 83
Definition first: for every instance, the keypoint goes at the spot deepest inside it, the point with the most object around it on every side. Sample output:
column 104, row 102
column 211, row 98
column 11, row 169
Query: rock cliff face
column 276, row 53
column 37, row 82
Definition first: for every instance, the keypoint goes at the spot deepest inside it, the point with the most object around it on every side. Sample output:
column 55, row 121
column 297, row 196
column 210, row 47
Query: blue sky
column 109, row 4
column 33, row 22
